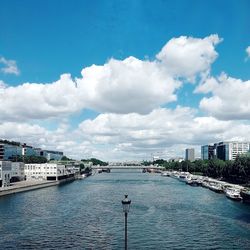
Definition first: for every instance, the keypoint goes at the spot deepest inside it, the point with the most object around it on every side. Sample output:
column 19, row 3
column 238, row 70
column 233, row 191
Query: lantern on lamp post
column 126, row 205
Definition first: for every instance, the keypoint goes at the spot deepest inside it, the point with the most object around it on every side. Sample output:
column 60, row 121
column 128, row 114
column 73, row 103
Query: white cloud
column 127, row 86
column 160, row 130
column 40, row 101
column 188, row 57
column 9, row 66
column 229, row 100
column 130, row 136
column 248, row 52
column 118, row 86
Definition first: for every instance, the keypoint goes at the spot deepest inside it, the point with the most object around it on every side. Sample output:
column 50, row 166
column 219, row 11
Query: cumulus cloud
column 161, row 129
column 118, row 86
column 40, row 101
column 130, row 136
column 131, row 85
column 9, row 66
column 229, row 100
column 188, row 57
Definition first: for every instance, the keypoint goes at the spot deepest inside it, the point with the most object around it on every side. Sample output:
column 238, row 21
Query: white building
column 17, row 171
column 48, row 171
column 229, row 150
column 5, row 173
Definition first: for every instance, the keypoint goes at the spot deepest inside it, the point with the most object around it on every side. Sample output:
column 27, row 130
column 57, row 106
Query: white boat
column 216, row 187
column 233, row 194
column 193, row 181
column 184, row 177
column 175, row 174
column 165, row 174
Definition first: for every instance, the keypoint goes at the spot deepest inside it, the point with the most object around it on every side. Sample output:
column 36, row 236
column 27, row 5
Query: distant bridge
column 128, row 167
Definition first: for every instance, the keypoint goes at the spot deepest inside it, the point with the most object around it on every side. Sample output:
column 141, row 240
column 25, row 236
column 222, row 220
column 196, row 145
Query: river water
column 87, row 214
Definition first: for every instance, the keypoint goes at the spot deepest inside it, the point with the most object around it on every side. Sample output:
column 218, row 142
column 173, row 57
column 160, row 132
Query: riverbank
column 24, row 186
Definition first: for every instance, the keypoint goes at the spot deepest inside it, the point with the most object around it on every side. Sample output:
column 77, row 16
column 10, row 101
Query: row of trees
column 95, row 162
column 237, row 171
column 29, row 159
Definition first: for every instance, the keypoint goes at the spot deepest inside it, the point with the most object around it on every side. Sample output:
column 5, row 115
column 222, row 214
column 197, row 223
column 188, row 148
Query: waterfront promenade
column 23, row 186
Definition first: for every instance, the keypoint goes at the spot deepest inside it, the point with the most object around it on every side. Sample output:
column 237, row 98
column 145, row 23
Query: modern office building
column 5, row 173
column 208, row 152
column 189, row 154
column 12, row 150
column 52, row 155
column 28, row 150
column 224, row 150
column 9, row 151
column 49, row 154
column 230, row 150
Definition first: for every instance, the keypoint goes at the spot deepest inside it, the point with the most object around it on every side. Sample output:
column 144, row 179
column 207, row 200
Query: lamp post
column 126, row 204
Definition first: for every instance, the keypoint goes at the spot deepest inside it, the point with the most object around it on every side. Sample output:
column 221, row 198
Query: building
column 17, row 173
column 48, row 171
column 10, row 151
column 28, row 150
column 224, row 150
column 208, row 152
column 189, row 154
column 49, row 154
column 5, row 173
column 230, row 150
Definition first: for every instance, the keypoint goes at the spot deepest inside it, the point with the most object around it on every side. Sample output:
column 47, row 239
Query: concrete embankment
column 24, row 186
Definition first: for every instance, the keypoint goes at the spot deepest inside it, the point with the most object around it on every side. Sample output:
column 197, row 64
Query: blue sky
column 49, row 38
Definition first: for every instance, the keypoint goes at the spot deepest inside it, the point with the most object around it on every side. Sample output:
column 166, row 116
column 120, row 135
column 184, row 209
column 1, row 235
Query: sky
column 124, row 80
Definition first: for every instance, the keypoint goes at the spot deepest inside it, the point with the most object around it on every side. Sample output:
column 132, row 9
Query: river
column 87, row 214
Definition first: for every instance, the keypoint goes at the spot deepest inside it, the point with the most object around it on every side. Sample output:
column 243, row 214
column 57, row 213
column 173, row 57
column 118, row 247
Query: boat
column 205, row 184
column 216, row 187
column 175, row 175
column 245, row 194
column 233, row 194
column 165, row 174
column 193, row 182
column 184, row 177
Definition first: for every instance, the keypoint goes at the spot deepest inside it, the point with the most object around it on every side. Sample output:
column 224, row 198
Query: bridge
column 128, row 167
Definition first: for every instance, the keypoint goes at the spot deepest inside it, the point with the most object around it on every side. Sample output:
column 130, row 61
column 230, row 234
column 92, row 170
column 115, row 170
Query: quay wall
column 33, row 186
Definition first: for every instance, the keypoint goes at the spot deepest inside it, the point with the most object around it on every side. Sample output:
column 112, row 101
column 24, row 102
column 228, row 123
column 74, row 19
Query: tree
column 65, row 158
column 95, row 161
column 29, row 159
